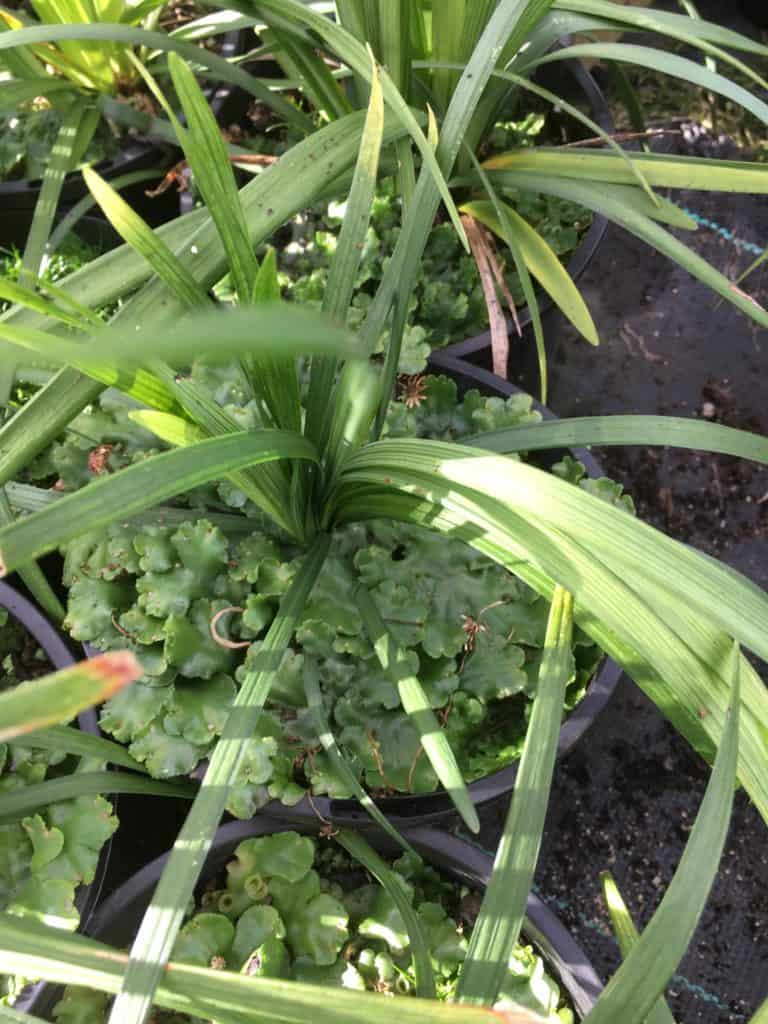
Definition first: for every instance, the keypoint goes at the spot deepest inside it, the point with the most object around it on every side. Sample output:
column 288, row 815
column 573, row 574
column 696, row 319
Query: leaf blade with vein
column 363, row 852
column 142, row 485
column 627, row 936
column 33, row 950
column 641, row 979
column 18, row 803
column 495, row 934
column 138, row 234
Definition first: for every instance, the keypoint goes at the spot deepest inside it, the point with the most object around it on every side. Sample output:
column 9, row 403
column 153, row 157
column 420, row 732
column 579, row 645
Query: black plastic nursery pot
column 60, row 656
column 18, row 198
column 117, row 919
column 437, row 807
column 573, row 78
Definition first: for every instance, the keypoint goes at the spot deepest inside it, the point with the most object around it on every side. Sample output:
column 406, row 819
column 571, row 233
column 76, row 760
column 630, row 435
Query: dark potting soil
column 626, row 798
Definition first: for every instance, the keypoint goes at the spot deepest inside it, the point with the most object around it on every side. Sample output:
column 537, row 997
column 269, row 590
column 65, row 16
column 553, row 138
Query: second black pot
column 437, row 807
column 118, row 918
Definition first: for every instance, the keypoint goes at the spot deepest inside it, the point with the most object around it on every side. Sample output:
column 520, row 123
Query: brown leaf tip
column 116, row 670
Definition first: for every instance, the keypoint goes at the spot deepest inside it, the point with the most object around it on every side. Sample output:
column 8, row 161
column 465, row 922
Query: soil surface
column 625, row 800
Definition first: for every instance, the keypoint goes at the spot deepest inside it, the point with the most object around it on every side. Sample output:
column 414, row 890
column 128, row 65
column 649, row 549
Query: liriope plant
column 425, row 47
column 667, row 614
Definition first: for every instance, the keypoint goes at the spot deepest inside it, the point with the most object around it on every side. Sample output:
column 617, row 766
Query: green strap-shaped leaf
column 14, row 93
column 267, row 487
column 704, row 35
column 141, row 486
column 660, row 169
column 301, row 62
column 508, row 25
column 356, row 57
column 395, row 662
column 634, row 989
column 33, row 577
column 26, row 498
column 274, row 381
column 59, row 696
column 447, row 45
column 634, row 170
column 116, row 352
column 18, row 803
column 355, row 403
column 138, row 234
column 209, row 25
column 625, row 206
column 60, row 163
column 174, row 430
column 36, row 951
column 668, row 431
column 42, row 419
column 78, row 210
column 69, row 740
column 495, row 932
column 761, row 1017
column 161, row 923
column 668, row 64
column 138, row 383
column 13, row 292
column 396, row 55
column 349, row 253
column 364, row 853
column 338, row 761
column 163, row 42
column 204, row 148
column 542, row 263
column 627, row 936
